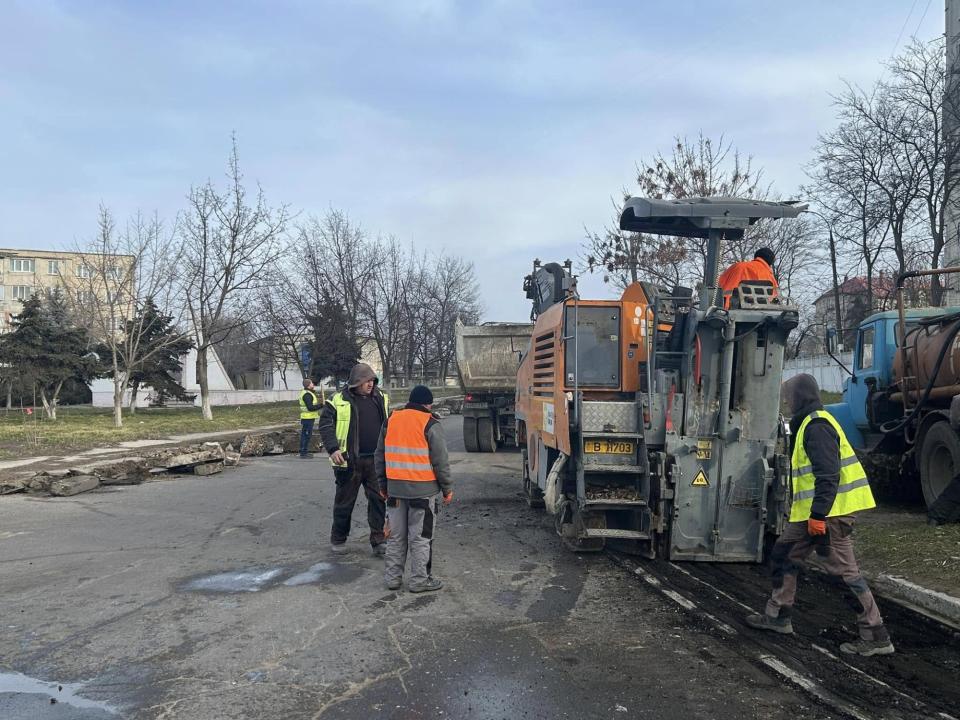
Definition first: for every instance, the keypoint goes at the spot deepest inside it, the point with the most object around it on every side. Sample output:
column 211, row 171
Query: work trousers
column 412, row 524
column 306, row 430
column 795, row 545
column 361, row 473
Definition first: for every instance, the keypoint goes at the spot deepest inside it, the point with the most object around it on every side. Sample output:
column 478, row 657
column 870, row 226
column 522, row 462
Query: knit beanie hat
column 421, row 395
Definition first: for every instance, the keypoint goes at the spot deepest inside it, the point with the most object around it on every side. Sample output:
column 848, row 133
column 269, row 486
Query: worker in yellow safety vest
column 349, row 427
column 309, row 412
column 829, row 486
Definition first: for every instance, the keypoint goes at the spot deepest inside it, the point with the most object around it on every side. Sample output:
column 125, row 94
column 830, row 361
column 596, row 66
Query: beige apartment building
column 89, row 281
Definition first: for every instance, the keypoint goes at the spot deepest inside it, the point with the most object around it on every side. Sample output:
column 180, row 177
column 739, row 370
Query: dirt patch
column 899, row 542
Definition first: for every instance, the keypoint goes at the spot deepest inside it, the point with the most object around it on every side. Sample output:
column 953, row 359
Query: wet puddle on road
column 257, row 579
column 23, row 687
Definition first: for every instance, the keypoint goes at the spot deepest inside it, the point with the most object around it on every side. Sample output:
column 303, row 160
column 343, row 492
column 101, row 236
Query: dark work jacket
column 312, row 400
column 327, row 424
column 822, row 444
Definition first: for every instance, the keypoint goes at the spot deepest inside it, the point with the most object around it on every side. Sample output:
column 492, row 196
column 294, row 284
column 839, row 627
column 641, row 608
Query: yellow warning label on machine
column 700, row 479
column 704, row 449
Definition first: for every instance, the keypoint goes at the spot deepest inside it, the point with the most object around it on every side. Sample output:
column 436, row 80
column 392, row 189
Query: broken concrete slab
column 11, row 486
column 942, row 607
column 189, row 459
column 230, row 456
column 211, row 468
column 74, row 485
column 262, row 444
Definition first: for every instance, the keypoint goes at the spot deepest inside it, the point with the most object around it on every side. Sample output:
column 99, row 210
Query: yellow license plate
column 617, row 447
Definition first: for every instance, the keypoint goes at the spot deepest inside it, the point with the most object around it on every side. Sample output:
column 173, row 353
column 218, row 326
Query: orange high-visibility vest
column 746, row 271
column 406, row 450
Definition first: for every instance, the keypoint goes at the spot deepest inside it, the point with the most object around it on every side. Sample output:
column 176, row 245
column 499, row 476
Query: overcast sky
column 495, row 130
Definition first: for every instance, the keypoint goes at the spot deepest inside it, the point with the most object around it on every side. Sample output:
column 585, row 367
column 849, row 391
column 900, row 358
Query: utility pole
column 951, row 127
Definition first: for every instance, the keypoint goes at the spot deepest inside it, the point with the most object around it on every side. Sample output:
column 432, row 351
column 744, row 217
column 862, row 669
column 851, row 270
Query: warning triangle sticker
column 700, row 479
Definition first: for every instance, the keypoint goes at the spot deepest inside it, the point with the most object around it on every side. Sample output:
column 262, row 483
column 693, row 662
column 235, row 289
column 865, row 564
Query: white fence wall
column 829, row 374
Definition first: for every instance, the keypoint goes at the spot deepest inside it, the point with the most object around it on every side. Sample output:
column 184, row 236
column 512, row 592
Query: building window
column 53, row 267
column 83, row 271
column 1, row 293
column 85, row 297
column 114, row 272
column 22, row 292
column 24, row 265
column 114, row 297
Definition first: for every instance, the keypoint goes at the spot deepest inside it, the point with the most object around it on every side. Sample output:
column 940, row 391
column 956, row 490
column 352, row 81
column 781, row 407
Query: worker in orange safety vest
column 760, row 268
column 413, row 468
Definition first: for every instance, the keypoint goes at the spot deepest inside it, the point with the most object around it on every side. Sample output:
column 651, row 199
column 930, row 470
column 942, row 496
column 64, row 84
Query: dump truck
column 651, row 423
column 487, row 360
column 900, row 407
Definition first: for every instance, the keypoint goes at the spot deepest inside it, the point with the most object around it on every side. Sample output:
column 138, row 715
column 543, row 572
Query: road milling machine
column 651, row 424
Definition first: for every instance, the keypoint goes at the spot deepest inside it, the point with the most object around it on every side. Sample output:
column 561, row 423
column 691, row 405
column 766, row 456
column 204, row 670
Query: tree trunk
column 134, row 389
column 10, row 395
column 50, row 404
column 119, row 380
column 204, row 383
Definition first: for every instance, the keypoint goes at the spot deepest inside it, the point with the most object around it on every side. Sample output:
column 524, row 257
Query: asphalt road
column 217, row 597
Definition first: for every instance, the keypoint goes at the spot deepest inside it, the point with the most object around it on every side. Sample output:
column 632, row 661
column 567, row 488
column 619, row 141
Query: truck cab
column 865, row 406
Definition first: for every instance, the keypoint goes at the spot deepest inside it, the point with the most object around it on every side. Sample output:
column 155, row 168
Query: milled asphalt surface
column 147, row 597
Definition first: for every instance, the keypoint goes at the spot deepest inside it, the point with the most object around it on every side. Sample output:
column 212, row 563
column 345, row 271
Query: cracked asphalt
column 217, row 597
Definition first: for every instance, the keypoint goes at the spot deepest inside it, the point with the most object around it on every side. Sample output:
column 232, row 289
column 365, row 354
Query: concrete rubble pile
column 202, row 459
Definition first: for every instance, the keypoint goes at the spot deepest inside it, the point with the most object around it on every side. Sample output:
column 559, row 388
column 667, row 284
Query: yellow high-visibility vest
column 853, row 493
column 308, row 414
column 343, row 408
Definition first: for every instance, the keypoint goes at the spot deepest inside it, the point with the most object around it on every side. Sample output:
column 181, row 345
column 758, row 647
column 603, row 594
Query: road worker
column 414, row 473
column 829, row 487
column 309, row 412
column 760, row 268
column 349, row 427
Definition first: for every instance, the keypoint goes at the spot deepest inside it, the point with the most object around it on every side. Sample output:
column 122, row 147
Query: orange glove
column 816, row 527
column 448, row 498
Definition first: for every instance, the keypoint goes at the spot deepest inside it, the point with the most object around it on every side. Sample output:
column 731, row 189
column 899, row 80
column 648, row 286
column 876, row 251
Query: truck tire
column 939, row 460
column 486, row 437
column 470, row 434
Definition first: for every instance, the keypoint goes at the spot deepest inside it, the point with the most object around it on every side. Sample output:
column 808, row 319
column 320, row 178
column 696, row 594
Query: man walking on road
column 309, row 412
column 829, row 488
column 349, row 427
column 414, row 472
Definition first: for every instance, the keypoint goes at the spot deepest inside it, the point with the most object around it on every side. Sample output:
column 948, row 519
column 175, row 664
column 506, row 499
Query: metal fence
column 829, row 374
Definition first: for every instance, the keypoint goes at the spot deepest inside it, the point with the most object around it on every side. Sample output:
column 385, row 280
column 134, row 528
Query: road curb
column 937, row 605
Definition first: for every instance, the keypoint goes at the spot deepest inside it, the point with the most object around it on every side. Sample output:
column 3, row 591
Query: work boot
column 306, row 456
column 867, row 648
column 394, row 584
column 758, row 621
column 429, row 585
column 338, row 548
column 380, row 550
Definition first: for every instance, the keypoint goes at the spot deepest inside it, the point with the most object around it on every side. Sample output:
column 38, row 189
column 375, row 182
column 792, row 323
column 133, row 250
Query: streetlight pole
column 836, row 279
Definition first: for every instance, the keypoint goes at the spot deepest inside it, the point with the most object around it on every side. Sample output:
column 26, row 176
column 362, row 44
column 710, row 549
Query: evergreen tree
column 334, row 351
column 48, row 349
column 162, row 346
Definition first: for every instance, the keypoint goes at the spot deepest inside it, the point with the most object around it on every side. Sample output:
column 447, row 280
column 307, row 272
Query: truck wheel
column 470, row 434
column 939, row 460
column 485, row 435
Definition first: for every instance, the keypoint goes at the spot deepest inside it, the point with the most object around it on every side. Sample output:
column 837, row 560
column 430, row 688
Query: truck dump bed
column 488, row 355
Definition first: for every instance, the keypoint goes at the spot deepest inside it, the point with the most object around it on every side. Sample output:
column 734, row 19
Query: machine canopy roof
column 696, row 216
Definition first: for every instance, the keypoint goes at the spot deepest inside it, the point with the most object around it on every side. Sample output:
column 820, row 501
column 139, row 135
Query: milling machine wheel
column 486, row 437
column 532, row 493
column 470, row 434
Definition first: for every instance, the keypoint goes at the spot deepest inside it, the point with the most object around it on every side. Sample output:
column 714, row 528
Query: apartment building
column 87, row 280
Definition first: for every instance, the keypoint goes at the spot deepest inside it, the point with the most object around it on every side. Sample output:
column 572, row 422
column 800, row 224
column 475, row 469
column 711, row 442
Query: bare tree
column 452, row 293
column 121, row 270
column 702, row 167
column 230, row 243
